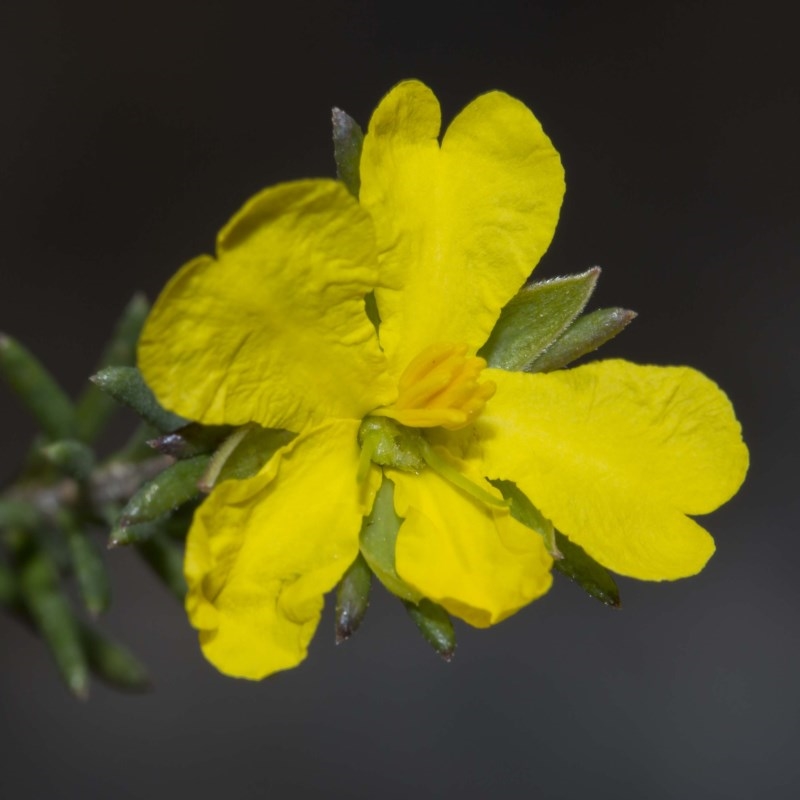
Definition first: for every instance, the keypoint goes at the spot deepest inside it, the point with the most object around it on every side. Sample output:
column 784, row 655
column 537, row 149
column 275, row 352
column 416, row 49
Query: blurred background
column 132, row 131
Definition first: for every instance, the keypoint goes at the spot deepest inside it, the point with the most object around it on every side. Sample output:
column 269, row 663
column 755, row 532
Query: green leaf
column 37, row 389
column 378, row 542
column 165, row 559
column 348, row 140
column 524, row 511
column 580, row 567
column 435, row 625
column 535, row 318
column 113, row 663
column 95, row 406
column 53, row 617
column 170, row 489
column 127, row 386
column 583, row 336
column 352, row 599
column 70, row 457
column 87, row 565
column 193, row 439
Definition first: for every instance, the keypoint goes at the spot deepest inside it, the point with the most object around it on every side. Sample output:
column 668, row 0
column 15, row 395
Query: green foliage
column 173, row 487
column 48, row 516
column 540, row 329
column 535, row 318
column 37, row 390
column 569, row 559
column 585, row 335
column 126, row 385
column 95, row 407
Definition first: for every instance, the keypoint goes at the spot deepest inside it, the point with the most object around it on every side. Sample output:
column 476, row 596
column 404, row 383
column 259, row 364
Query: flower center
column 440, row 388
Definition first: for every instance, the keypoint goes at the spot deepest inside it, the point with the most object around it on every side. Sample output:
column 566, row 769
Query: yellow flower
column 274, row 331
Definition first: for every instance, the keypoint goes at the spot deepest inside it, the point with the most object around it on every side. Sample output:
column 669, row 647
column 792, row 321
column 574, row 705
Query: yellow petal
column 262, row 552
column 616, row 455
column 478, row 562
column 274, row 331
column 459, row 227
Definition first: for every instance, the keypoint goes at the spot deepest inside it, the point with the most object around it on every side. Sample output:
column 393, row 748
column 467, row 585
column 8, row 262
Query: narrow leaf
column 352, row 599
column 52, row 616
column 95, row 406
column 170, row 489
column 113, row 663
column 593, row 578
column 37, row 389
column 347, row 143
column 127, row 386
column 583, row 336
column 535, row 318
column 378, row 542
column 87, row 563
column 109, row 661
column 174, row 526
column 71, row 457
column 435, row 625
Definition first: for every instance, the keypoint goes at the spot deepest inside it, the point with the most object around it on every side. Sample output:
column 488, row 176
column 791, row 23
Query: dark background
column 130, row 133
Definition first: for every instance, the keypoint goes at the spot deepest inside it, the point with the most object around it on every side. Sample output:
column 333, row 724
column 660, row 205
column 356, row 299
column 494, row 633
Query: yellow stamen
column 440, row 388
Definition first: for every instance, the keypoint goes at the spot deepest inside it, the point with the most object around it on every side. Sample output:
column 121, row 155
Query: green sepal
column 352, row 599
column 586, row 334
column 379, row 539
column 37, row 389
column 435, row 625
column 165, row 558
column 535, row 317
column 524, row 511
column 387, row 443
column 94, row 406
column 127, row 386
column 568, row 558
column 53, row 618
column 251, row 452
column 71, row 457
column 193, row 439
column 87, row 564
column 580, row 567
column 113, row 663
column 174, row 526
column 173, row 487
column 348, row 139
